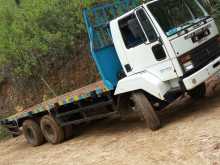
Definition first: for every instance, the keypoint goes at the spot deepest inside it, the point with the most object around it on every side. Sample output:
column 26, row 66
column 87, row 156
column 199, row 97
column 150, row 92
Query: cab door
column 143, row 47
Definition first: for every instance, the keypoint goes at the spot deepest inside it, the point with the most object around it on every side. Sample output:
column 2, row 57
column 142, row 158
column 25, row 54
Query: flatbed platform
column 97, row 88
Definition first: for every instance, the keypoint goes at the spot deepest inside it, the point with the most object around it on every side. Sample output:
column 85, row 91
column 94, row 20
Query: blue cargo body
column 102, row 49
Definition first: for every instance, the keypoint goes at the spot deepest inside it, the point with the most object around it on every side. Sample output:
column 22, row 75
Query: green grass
column 3, row 133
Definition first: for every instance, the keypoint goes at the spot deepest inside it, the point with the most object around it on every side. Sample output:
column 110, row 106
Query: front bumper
column 202, row 75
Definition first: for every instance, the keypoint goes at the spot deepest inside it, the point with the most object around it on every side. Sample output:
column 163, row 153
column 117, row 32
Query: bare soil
column 190, row 136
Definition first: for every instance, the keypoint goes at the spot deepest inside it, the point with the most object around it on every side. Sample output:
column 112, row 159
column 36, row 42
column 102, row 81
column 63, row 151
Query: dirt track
column 190, row 136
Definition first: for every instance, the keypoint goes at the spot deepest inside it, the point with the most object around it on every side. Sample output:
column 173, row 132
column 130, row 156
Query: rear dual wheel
column 32, row 133
column 53, row 132
column 48, row 129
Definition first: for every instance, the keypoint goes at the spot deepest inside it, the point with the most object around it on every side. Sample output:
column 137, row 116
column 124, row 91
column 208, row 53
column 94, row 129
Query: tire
column 147, row 112
column 198, row 92
column 52, row 132
column 32, row 133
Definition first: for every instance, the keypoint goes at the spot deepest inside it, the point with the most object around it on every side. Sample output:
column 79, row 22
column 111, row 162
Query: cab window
column 147, row 26
column 131, row 31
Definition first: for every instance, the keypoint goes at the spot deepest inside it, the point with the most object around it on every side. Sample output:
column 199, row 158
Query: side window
column 147, row 26
column 131, row 31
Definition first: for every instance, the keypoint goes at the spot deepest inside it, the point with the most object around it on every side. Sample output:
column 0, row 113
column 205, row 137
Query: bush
column 216, row 12
column 3, row 133
column 213, row 6
column 31, row 31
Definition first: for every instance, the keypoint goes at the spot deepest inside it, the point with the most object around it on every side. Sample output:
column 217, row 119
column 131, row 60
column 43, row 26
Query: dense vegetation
column 3, row 133
column 40, row 28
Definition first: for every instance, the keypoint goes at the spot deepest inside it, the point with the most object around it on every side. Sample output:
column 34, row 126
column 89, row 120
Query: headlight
column 186, row 62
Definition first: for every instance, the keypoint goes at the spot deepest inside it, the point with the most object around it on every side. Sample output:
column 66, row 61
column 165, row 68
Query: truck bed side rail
column 98, row 17
column 102, row 49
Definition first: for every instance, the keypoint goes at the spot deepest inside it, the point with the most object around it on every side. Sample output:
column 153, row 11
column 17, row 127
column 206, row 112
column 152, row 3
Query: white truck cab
column 166, row 46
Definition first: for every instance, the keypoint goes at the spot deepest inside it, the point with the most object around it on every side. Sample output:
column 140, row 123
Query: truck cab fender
column 143, row 81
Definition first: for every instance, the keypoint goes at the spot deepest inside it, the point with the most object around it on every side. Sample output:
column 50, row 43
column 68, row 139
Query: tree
column 17, row 2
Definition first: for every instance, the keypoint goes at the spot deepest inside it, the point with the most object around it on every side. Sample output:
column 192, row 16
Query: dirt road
column 190, row 136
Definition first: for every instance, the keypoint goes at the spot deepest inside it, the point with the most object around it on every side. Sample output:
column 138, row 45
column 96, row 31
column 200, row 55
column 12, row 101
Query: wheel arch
column 146, row 82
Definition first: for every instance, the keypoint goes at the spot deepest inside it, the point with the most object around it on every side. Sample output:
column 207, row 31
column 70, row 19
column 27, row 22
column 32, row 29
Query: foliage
column 3, row 133
column 30, row 31
column 216, row 12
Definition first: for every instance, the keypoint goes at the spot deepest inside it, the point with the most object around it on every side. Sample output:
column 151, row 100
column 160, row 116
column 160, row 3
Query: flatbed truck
column 147, row 55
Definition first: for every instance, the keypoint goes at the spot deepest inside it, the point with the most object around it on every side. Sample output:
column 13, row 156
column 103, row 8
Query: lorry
column 147, row 56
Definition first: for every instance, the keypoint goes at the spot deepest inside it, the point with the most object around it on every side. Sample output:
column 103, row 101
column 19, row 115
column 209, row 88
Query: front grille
column 205, row 53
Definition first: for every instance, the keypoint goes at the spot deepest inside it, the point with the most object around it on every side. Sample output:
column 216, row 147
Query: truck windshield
column 176, row 15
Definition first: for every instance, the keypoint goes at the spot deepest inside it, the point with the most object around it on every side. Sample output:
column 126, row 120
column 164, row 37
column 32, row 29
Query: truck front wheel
column 52, row 132
column 32, row 133
column 143, row 105
column 198, row 92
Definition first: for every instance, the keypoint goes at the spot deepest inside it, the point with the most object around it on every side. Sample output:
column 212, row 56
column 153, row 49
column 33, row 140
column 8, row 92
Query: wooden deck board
column 63, row 99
